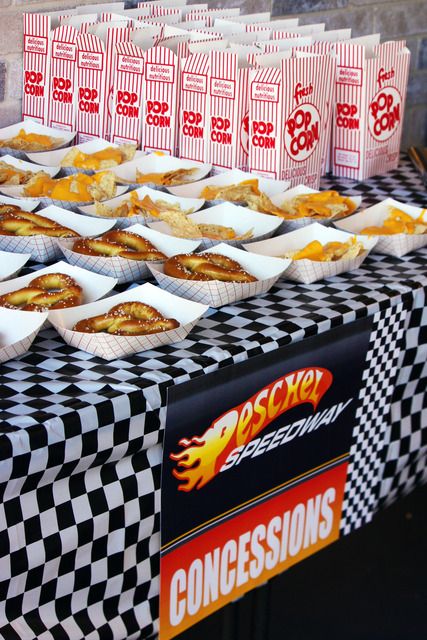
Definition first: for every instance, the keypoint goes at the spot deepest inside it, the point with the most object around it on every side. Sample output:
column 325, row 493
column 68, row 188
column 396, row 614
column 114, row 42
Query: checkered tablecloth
column 80, row 440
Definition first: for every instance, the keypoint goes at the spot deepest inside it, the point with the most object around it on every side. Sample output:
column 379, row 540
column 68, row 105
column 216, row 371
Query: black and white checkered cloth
column 80, row 442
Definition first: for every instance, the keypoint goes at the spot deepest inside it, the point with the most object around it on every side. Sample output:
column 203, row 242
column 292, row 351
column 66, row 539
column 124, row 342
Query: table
column 81, row 440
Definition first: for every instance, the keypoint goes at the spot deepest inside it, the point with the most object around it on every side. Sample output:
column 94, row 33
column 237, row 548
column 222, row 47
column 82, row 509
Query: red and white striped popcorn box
column 232, row 26
column 54, row 158
column 186, row 204
column 309, row 271
column 162, row 3
column 284, row 24
column 111, row 347
column 11, row 263
column 128, row 94
column 234, row 176
column 297, row 31
column 211, row 14
column 61, row 95
column 274, row 46
column 229, row 110
column 194, row 107
column 43, row 248
column 59, row 137
column 95, row 73
column 123, row 269
column 288, row 108
column 36, row 60
column 80, row 22
column 293, row 223
column 216, row 293
column 99, row 8
column 397, row 244
column 18, row 330
column 370, row 103
column 159, row 113
column 172, row 12
column 241, row 219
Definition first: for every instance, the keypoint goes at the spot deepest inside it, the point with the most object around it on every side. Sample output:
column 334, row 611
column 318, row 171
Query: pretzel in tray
column 127, row 319
column 119, row 243
column 48, row 291
column 206, row 266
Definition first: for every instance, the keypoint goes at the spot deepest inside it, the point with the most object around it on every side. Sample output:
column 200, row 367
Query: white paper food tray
column 290, row 224
column 11, row 264
column 45, row 248
column 26, row 205
column 17, row 331
column 23, row 165
column 128, row 270
column 186, row 204
column 94, row 286
column 30, row 126
column 235, row 176
column 55, row 157
column 18, row 192
column 111, row 347
column 398, row 244
column 309, row 271
column 217, row 294
column 227, row 214
column 159, row 163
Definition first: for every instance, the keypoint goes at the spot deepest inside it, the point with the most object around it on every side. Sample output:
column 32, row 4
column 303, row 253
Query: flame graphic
column 203, row 456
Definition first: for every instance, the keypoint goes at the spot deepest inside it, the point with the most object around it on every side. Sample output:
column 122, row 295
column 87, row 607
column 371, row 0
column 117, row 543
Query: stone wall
column 392, row 18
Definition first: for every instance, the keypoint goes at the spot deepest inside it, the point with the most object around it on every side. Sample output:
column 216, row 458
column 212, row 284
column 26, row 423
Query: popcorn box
column 227, row 25
column 287, row 111
column 398, row 244
column 122, row 269
column 60, row 106
column 18, row 330
column 36, row 59
column 371, row 85
column 110, row 347
column 95, row 72
column 309, row 271
column 209, row 15
column 216, row 293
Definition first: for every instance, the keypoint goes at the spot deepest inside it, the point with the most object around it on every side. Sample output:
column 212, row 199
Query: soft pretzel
column 27, row 223
column 48, row 291
column 128, row 318
column 119, row 243
column 206, row 266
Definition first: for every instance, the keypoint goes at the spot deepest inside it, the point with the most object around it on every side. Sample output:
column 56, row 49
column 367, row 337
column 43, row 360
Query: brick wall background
column 392, row 18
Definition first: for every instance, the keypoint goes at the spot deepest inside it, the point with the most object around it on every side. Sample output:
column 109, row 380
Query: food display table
column 81, row 439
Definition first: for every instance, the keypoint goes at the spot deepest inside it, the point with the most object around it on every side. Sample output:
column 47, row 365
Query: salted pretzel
column 127, row 319
column 26, row 223
column 48, row 291
column 206, row 266
column 123, row 244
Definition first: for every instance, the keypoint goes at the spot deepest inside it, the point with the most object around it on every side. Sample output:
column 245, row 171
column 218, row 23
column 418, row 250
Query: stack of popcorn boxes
column 277, row 99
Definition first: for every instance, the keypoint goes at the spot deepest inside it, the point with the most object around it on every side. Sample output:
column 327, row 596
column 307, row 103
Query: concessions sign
column 254, row 470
